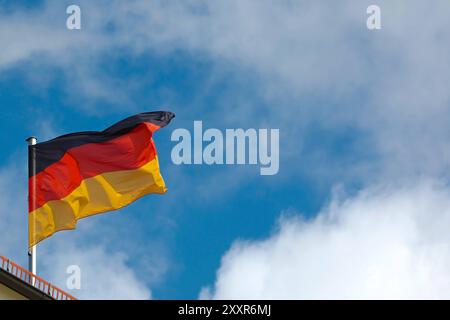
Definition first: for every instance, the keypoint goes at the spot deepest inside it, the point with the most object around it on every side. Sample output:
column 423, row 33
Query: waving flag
column 81, row 174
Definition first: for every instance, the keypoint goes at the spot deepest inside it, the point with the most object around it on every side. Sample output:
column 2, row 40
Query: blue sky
column 200, row 229
column 348, row 102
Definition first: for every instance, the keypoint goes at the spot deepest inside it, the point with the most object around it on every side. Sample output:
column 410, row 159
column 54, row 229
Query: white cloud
column 388, row 243
column 310, row 59
column 104, row 275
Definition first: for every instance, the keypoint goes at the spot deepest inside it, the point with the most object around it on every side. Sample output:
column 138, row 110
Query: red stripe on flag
column 130, row 151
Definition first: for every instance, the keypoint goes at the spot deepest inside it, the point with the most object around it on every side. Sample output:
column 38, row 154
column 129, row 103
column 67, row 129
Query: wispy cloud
column 312, row 60
column 104, row 274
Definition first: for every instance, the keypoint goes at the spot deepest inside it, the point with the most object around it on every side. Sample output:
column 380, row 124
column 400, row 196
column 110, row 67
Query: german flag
column 81, row 174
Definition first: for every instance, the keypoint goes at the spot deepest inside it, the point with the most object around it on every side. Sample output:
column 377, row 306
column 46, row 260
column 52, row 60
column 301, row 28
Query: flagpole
column 32, row 170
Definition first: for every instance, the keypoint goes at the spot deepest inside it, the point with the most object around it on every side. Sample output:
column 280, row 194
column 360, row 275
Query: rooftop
column 28, row 285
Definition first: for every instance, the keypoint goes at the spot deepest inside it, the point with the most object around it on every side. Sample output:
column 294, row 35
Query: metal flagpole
column 32, row 170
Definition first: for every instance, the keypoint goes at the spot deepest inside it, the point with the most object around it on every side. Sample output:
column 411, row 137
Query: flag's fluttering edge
column 82, row 174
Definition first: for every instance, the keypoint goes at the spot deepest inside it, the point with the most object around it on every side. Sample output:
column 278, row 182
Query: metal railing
column 33, row 280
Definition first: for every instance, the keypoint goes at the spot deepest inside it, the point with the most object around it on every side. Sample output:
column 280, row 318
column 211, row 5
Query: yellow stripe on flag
column 104, row 192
